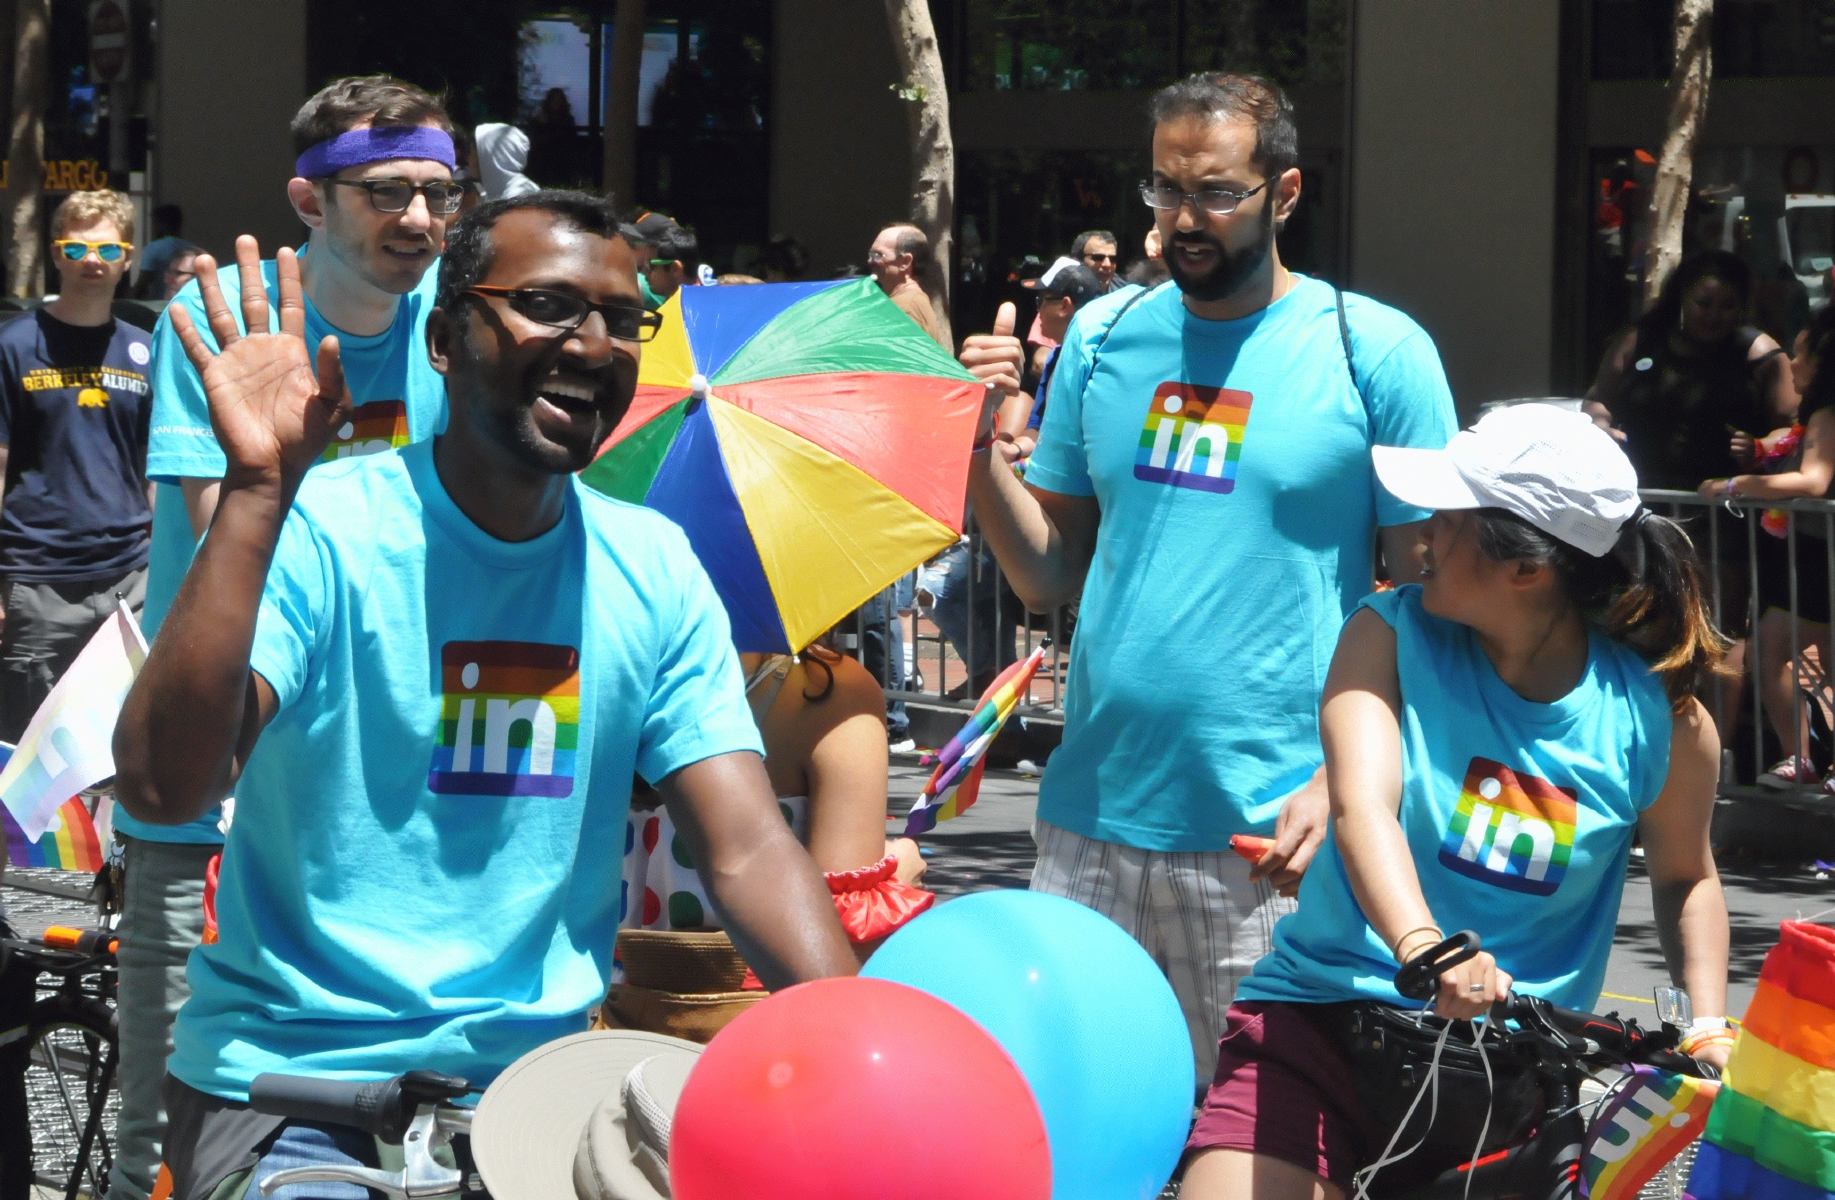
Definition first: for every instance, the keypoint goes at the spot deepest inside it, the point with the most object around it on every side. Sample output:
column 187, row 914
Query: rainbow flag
column 69, row 743
column 1651, row 1119
column 956, row 782
column 71, row 842
column 1771, row 1135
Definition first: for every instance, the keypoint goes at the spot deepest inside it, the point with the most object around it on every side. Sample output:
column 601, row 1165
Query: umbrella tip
column 697, row 387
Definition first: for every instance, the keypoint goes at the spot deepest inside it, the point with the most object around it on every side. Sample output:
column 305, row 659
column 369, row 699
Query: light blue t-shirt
column 399, row 399
column 1519, row 816
column 425, row 866
column 1231, row 460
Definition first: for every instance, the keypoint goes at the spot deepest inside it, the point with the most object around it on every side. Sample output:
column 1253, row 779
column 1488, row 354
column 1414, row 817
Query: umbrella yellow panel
column 667, row 361
column 828, row 535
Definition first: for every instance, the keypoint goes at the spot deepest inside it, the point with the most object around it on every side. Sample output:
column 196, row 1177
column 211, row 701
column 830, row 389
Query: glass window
column 1290, row 43
column 1633, row 39
column 556, row 56
column 1039, row 45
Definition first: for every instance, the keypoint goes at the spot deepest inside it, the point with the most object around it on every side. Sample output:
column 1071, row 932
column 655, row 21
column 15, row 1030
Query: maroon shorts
column 1283, row 1089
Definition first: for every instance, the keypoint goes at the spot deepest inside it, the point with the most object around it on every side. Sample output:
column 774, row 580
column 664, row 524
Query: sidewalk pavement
column 991, row 847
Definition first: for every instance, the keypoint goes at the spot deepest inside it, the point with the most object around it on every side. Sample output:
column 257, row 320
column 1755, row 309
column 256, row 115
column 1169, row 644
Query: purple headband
column 375, row 144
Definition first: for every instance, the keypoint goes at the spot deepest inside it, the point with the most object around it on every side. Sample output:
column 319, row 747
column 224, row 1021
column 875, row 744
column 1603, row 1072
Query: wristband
column 983, row 443
column 1701, row 1023
column 1396, row 950
column 1699, row 1040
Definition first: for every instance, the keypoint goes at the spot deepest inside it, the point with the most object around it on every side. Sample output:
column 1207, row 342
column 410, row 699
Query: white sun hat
column 1550, row 466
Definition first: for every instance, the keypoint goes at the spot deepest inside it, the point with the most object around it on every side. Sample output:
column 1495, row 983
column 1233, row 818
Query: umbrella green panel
column 850, row 328
column 626, row 470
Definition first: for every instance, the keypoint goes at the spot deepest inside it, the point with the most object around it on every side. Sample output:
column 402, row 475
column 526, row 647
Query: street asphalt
column 990, row 846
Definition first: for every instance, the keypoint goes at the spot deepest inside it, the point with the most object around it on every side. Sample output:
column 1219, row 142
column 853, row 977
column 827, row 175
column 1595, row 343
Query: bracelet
column 1699, row 1040
column 983, row 443
column 1701, row 1023
column 1439, row 936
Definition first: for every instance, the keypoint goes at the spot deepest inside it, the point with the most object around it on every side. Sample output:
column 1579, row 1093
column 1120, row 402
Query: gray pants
column 162, row 918
column 47, row 626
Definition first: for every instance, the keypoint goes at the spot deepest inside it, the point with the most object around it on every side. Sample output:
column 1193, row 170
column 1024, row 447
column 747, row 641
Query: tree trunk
column 25, row 156
column 933, row 150
column 1688, row 107
column 620, row 173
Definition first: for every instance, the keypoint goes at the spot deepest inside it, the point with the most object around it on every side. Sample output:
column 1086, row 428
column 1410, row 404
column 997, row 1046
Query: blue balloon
column 1092, row 1023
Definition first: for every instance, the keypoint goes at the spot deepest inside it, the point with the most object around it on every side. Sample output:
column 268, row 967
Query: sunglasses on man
column 77, row 250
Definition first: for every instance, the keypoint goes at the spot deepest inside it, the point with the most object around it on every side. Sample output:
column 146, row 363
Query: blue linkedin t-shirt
column 1519, row 816
column 1231, row 460
column 424, row 870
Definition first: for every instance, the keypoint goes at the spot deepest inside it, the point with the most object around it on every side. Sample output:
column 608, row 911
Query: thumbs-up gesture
column 996, row 358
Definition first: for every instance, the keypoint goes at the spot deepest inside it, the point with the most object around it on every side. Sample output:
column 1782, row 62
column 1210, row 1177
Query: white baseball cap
column 1550, row 466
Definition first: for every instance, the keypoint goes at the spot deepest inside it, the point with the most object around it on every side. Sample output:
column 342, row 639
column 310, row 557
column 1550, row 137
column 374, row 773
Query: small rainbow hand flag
column 1653, row 1117
column 956, row 782
column 70, row 842
column 69, row 743
column 1771, row 1135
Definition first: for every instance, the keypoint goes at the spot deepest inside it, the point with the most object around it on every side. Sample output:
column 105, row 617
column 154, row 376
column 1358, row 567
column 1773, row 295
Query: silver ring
column 1478, row 987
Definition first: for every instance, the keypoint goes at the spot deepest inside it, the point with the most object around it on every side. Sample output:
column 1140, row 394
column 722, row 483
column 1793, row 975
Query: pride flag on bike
column 1771, row 1135
column 69, row 744
column 1651, row 1119
column 956, row 783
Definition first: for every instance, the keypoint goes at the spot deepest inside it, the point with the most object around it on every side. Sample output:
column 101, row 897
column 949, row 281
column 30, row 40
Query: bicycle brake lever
column 391, row 1183
column 1419, row 977
column 422, row 1177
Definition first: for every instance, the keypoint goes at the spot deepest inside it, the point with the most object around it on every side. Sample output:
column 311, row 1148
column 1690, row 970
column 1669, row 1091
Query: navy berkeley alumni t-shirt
column 74, row 408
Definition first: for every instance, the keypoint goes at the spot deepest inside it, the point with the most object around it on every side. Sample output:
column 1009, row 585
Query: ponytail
column 1661, row 611
column 1646, row 592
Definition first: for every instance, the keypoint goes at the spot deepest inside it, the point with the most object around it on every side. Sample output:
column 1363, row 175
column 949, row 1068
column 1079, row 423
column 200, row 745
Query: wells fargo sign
column 69, row 175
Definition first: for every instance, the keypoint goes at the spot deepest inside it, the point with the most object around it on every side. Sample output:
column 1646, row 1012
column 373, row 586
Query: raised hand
column 272, row 417
column 997, row 358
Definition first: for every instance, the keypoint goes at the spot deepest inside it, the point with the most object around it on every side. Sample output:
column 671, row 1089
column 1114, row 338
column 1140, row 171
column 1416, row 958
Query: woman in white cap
column 1493, row 737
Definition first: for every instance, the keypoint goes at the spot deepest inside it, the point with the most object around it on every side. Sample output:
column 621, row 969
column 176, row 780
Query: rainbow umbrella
column 811, row 440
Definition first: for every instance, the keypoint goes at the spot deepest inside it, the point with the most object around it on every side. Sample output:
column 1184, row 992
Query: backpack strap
column 1350, row 363
column 1096, row 350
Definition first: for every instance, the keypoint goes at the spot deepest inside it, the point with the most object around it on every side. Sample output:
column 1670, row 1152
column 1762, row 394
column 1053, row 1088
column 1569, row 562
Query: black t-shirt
column 74, row 411
column 1679, row 411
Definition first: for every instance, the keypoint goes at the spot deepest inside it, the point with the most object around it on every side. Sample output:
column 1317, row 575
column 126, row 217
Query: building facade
column 1482, row 164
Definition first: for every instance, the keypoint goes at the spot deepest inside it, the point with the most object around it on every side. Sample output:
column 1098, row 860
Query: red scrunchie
column 872, row 904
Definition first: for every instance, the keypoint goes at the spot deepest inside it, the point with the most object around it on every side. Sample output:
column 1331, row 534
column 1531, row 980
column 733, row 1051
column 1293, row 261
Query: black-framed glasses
column 558, row 310
column 1219, row 202
column 77, row 250
column 394, row 195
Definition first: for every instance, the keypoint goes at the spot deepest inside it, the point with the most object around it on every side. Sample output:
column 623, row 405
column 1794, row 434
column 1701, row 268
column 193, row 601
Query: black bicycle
column 1564, row 1049
column 74, row 1050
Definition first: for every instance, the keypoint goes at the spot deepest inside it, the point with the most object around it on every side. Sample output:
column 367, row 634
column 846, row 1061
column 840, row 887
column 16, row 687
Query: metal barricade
column 1740, row 559
column 964, row 625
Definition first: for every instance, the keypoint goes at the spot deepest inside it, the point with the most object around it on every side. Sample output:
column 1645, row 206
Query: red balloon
column 857, row 1089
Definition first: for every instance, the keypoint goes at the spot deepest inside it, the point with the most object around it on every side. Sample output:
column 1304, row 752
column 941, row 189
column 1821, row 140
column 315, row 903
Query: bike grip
column 83, row 941
column 364, row 1106
column 1250, row 847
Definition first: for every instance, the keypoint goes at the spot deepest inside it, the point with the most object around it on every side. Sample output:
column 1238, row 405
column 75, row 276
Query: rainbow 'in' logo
column 510, row 720
column 1193, row 437
column 370, row 429
column 1511, row 831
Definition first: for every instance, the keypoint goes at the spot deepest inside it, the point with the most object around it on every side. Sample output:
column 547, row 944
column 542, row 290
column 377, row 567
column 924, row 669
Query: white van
column 1806, row 238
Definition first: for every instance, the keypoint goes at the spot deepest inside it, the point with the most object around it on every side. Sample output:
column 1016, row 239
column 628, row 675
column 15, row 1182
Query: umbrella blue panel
column 693, row 489
column 718, row 325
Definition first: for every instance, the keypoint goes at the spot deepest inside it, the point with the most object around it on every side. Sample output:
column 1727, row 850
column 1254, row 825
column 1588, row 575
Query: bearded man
column 1203, row 481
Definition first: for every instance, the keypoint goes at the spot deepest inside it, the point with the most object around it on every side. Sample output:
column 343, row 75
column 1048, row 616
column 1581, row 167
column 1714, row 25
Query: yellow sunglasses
column 77, row 251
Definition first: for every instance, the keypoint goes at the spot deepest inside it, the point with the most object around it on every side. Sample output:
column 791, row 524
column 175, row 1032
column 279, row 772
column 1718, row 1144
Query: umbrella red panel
column 895, row 428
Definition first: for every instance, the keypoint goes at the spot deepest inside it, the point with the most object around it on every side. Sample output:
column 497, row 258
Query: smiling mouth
column 573, row 396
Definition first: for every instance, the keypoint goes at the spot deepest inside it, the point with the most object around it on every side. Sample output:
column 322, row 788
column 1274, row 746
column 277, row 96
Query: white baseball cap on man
column 1550, row 466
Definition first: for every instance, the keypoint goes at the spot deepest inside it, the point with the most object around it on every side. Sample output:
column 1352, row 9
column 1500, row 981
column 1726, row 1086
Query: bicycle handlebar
column 383, row 1108
column 1579, row 1035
